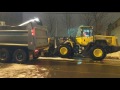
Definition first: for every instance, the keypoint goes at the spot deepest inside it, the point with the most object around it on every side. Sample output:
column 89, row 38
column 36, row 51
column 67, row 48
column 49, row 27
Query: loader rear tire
column 97, row 53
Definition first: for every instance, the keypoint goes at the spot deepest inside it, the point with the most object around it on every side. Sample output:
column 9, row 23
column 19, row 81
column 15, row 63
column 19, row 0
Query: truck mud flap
column 30, row 55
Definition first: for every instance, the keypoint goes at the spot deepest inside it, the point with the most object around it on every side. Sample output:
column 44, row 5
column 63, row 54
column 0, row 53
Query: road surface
column 62, row 68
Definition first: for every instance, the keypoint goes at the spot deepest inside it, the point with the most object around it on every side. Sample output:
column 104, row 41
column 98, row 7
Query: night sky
column 28, row 15
column 15, row 18
column 76, row 18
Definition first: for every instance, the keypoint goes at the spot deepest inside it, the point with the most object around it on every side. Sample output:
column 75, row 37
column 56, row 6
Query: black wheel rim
column 19, row 56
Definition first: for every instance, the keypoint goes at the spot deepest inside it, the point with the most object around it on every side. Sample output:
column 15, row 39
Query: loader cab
column 85, row 31
column 84, row 35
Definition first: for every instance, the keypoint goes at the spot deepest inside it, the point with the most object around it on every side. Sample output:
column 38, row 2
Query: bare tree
column 97, row 19
column 87, row 18
column 51, row 22
column 99, row 22
column 67, row 20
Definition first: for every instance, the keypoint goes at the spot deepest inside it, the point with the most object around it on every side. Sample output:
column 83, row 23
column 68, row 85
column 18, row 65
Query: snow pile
column 115, row 55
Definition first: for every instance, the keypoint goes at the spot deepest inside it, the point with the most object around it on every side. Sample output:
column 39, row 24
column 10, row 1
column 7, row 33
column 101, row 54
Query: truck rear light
column 33, row 32
column 36, row 51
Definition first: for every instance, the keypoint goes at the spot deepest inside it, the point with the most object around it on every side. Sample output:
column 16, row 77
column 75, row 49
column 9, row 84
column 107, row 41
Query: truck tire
column 4, row 55
column 97, row 53
column 20, row 56
column 65, row 51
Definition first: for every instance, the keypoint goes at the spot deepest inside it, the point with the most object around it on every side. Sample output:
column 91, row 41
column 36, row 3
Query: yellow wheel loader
column 88, row 45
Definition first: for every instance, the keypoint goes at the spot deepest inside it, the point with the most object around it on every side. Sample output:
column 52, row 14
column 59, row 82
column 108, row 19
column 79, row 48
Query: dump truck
column 23, row 42
column 87, row 44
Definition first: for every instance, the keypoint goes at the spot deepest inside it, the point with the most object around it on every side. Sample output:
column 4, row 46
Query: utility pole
column 56, row 34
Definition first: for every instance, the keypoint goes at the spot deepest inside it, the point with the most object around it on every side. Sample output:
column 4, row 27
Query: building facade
column 114, row 29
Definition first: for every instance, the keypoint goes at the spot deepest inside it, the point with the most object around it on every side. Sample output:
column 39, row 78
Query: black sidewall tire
column 8, row 56
column 15, row 59
column 97, row 58
column 69, row 54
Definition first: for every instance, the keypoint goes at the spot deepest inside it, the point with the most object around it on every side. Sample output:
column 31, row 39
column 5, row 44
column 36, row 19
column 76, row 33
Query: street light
column 31, row 20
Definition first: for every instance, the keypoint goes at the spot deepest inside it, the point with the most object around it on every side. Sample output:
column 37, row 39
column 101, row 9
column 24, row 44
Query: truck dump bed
column 30, row 36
